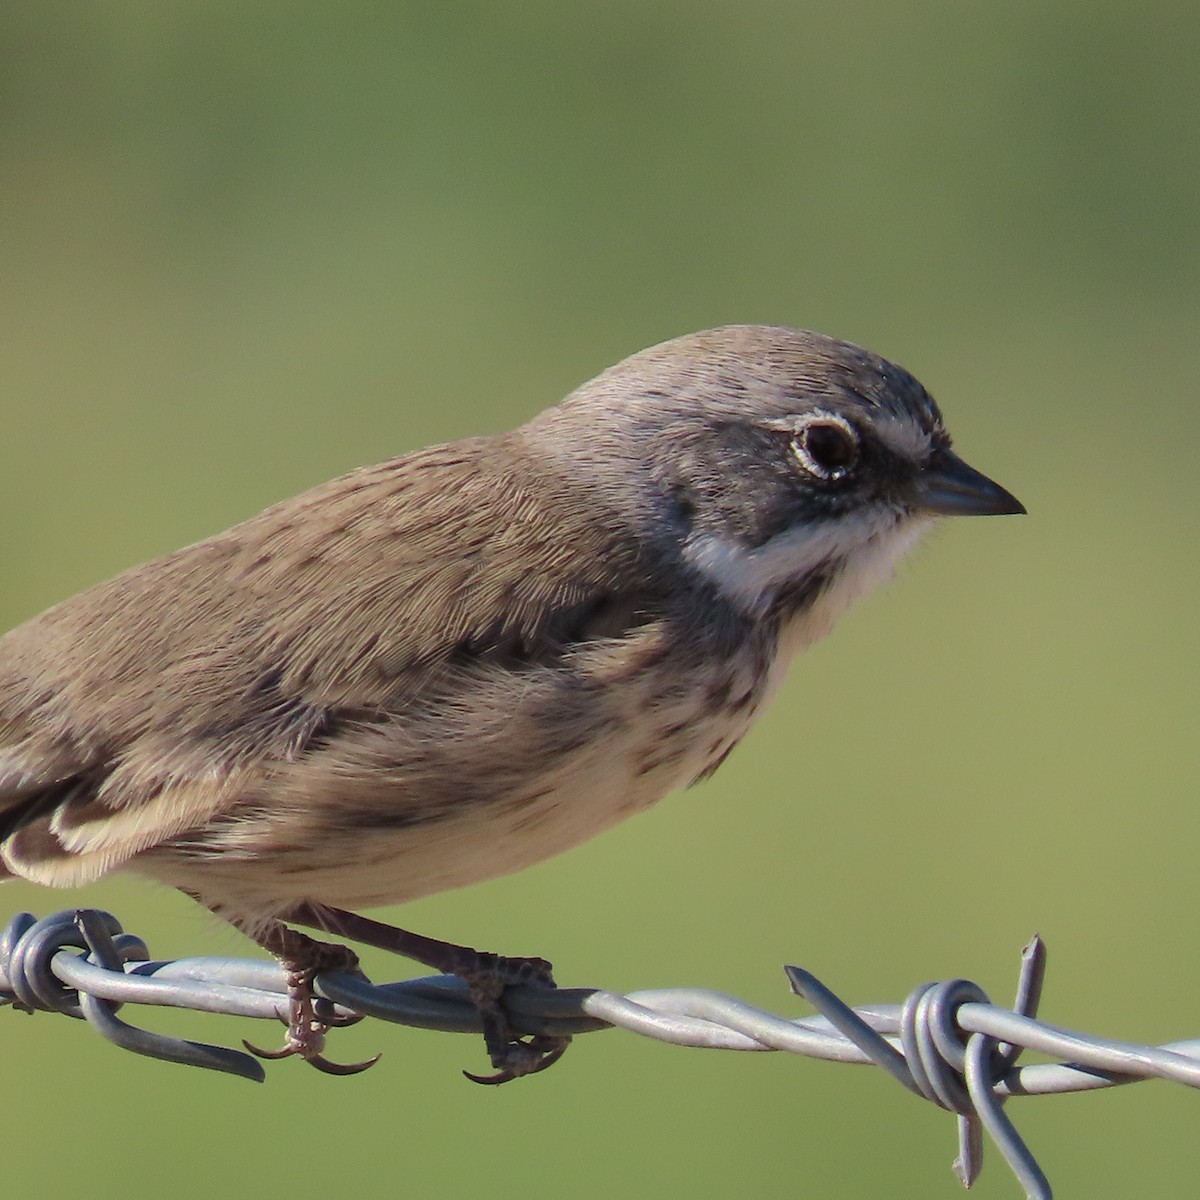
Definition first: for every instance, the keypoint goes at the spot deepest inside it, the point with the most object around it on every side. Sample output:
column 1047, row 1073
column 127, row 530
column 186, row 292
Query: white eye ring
column 825, row 445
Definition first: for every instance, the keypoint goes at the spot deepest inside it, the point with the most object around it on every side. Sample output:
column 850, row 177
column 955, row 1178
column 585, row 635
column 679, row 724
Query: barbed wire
column 947, row 1042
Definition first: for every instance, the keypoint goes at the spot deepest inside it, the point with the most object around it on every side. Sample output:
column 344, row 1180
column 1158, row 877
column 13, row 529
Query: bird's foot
column 511, row 1055
column 306, row 1021
column 486, row 975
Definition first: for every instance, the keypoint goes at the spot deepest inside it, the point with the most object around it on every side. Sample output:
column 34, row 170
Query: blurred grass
column 247, row 247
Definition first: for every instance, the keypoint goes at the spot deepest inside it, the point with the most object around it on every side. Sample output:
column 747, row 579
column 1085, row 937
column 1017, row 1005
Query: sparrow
column 451, row 665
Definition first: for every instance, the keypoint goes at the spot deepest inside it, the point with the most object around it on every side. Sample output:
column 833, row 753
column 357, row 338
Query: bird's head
column 787, row 469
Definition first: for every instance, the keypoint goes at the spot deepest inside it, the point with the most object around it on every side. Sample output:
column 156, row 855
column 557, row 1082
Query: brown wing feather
column 132, row 711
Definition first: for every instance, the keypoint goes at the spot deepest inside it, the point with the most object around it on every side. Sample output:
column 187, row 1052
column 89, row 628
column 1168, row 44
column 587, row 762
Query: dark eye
column 827, row 448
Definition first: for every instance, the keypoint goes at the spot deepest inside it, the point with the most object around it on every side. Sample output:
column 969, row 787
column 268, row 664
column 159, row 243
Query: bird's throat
column 844, row 581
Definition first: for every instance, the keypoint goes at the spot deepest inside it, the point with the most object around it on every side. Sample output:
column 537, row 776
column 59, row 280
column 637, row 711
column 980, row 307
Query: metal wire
column 947, row 1043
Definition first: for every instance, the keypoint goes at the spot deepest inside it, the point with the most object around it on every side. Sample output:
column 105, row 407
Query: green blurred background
column 246, row 247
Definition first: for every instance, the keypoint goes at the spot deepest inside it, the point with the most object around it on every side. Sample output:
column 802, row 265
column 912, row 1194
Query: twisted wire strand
column 947, row 1043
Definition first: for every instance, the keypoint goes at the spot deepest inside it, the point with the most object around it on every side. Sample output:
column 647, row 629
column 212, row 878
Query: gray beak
column 948, row 487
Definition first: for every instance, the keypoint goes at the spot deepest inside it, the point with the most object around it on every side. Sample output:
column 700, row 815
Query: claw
column 258, row 1052
column 325, row 1012
column 315, row 1060
column 331, row 1068
column 525, row 1058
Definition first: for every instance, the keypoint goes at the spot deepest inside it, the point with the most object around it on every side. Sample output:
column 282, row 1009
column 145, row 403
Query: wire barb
column 942, row 1064
column 947, row 1043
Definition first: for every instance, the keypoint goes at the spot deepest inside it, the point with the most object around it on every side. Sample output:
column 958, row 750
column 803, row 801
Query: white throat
column 868, row 547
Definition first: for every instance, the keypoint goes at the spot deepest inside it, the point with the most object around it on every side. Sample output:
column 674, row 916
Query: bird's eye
column 826, row 448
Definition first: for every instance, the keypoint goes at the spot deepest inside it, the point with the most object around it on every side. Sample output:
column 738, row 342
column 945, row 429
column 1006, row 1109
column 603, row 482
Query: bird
column 451, row 665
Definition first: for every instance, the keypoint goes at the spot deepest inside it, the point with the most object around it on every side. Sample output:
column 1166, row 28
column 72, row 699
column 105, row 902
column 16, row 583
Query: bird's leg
column 486, row 975
column 303, row 958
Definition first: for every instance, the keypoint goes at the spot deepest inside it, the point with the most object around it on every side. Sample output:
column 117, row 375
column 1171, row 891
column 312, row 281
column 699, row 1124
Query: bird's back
column 137, row 710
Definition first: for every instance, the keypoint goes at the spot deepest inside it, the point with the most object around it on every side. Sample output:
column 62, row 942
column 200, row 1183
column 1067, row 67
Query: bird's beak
column 947, row 487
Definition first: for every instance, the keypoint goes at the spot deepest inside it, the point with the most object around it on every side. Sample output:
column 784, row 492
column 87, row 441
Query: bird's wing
column 131, row 712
